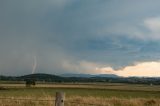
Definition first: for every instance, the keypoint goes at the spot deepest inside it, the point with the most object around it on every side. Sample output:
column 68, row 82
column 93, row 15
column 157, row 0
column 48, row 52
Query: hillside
column 75, row 79
column 88, row 75
column 41, row 77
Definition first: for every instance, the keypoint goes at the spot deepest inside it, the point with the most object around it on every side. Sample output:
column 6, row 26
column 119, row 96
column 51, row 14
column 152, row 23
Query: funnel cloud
column 34, row 65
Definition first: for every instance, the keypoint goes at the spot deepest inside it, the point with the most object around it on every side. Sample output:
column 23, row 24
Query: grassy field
column 91, row 93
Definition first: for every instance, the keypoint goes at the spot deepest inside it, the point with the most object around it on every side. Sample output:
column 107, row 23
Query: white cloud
column 143, row 69
column 153, row 24
column 146, row 29
column 150, row 69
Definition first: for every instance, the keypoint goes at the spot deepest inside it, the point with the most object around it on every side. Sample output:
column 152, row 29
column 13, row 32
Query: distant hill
column 88, row 75
column 76, row 78
column 41, row 77
column 76, row 75
column 107, row 75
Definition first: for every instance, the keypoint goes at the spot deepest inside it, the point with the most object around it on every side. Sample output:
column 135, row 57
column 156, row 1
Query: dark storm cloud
column 75, row 35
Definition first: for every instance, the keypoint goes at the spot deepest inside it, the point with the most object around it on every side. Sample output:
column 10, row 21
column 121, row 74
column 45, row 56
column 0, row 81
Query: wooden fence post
column 60, row 97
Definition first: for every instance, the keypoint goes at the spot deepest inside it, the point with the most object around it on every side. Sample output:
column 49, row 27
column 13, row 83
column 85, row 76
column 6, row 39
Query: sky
column 119, row 37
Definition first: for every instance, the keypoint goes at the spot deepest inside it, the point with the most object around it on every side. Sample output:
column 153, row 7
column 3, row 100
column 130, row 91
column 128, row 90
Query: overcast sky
column 80, row 36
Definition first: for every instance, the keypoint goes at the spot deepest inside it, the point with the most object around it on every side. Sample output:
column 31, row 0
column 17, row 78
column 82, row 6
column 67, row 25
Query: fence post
column 60, row 97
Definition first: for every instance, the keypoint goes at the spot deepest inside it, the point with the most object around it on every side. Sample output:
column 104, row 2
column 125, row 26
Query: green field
column 97, row 90
column 88, row 90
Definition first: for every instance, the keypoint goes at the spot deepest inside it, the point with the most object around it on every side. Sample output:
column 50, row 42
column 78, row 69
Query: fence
column 58, row 101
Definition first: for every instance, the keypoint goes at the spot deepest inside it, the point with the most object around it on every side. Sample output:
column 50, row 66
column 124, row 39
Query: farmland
column 97, row 93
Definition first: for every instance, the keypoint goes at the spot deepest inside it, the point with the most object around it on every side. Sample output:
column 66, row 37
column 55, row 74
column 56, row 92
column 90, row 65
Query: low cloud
column 143, row 69
column 83, row 67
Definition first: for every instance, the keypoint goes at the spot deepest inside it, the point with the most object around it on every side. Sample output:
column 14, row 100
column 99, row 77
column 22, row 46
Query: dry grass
column 113, row 86
column 114, row 101
column 80, row 101
column 26, row 101
column 81, row 95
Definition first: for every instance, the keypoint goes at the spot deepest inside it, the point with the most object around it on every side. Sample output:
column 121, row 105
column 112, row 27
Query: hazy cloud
column 82, row 67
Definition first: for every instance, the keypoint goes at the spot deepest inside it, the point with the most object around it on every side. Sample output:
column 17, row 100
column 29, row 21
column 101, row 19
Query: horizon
column 83, row 75
column 90, row 37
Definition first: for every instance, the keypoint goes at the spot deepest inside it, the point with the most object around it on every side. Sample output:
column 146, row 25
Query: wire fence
column 67, row 103
column 83, row 104
column 24, row 99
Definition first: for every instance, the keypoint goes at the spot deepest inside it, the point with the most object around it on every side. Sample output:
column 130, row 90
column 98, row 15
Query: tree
column 30, row 82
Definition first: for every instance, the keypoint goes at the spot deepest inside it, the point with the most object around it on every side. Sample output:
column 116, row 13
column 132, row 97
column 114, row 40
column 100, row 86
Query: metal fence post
column 60, row 97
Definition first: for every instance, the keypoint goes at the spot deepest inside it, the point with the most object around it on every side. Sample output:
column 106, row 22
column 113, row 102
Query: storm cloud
column 77, row 36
